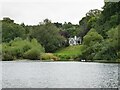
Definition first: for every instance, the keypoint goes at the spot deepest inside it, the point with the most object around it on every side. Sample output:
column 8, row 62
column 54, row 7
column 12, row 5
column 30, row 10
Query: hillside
column 70, row 52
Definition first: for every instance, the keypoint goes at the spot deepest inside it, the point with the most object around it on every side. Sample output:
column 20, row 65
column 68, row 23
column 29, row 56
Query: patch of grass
column 49, row 56
column 70, row 52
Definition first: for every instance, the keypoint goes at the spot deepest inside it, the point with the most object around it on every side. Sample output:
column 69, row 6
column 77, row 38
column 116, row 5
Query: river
column 28, row 74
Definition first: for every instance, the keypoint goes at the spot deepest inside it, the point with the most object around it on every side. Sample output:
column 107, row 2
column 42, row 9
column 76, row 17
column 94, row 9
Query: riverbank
column 105, row 61
column 95, row 61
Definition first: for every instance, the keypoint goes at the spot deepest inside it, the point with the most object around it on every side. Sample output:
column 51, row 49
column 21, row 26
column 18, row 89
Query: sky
column 31, row 12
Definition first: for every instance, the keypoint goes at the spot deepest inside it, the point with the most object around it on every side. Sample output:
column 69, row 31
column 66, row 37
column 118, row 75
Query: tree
column 92, row 37
column 109, row 18
column 10, row 30
column 92, row 42
column 48, row 35
column 93, row 13
column 8, row 20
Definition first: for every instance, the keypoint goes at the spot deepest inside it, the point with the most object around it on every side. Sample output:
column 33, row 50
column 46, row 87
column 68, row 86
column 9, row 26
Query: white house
column 75, row 41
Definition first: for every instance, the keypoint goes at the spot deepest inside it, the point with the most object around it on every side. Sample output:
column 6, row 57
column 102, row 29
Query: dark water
column 59, row 75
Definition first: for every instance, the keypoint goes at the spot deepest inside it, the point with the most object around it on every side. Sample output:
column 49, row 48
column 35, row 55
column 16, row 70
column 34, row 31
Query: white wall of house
column 75, row 41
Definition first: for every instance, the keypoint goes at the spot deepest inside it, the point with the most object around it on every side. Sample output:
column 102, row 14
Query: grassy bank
column 69, row 53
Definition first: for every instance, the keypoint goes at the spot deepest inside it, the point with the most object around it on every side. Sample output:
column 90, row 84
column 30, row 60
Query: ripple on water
column 59, row 74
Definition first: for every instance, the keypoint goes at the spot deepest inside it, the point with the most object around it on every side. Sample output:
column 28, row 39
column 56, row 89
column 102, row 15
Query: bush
column 107, row 53
column 9, row 54
column 118, row 55
column 19, row 49
column 91, row 38
column 7, row 57
column 49, row 56
column 32, row 54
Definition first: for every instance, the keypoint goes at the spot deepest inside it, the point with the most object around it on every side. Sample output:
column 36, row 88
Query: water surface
column 59, row 75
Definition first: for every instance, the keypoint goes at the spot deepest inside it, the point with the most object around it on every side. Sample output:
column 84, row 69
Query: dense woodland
column 99, row 31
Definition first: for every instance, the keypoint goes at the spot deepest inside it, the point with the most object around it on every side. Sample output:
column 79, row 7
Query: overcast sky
column 32, row 12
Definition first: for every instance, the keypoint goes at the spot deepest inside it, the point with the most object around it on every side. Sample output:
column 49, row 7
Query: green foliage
column 92, row 37
column 99, row 31
column 8, row 53
column 0, row 51
column 10, row 30
column 105, row 49
column 118, row 55
column 110, row 9
column 84, row 26
column 89, row 52
column 71, row 52
column 70, row 29
column 8, row 20
column 93, row 13
column 107, row 52
column 109, row 18
column 33, row 54
column 88, row 22
column 18, row 49
column 102, row 42
column 48, row 35
column 114, row 37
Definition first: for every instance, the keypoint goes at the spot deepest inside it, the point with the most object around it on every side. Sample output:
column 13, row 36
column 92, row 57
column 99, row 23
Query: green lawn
column 69, row 53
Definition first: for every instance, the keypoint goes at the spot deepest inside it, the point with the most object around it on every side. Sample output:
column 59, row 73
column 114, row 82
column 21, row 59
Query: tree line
column 99, row 31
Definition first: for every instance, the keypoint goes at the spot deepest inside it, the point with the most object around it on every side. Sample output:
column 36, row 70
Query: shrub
column 19, row 49
column 67, row 57
column 7, row 57
column 9, row 54
column 106, row 53
column 91, row 38
column 49, row 56
column 32, row 54
column 0, row 51
column 118, row 54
